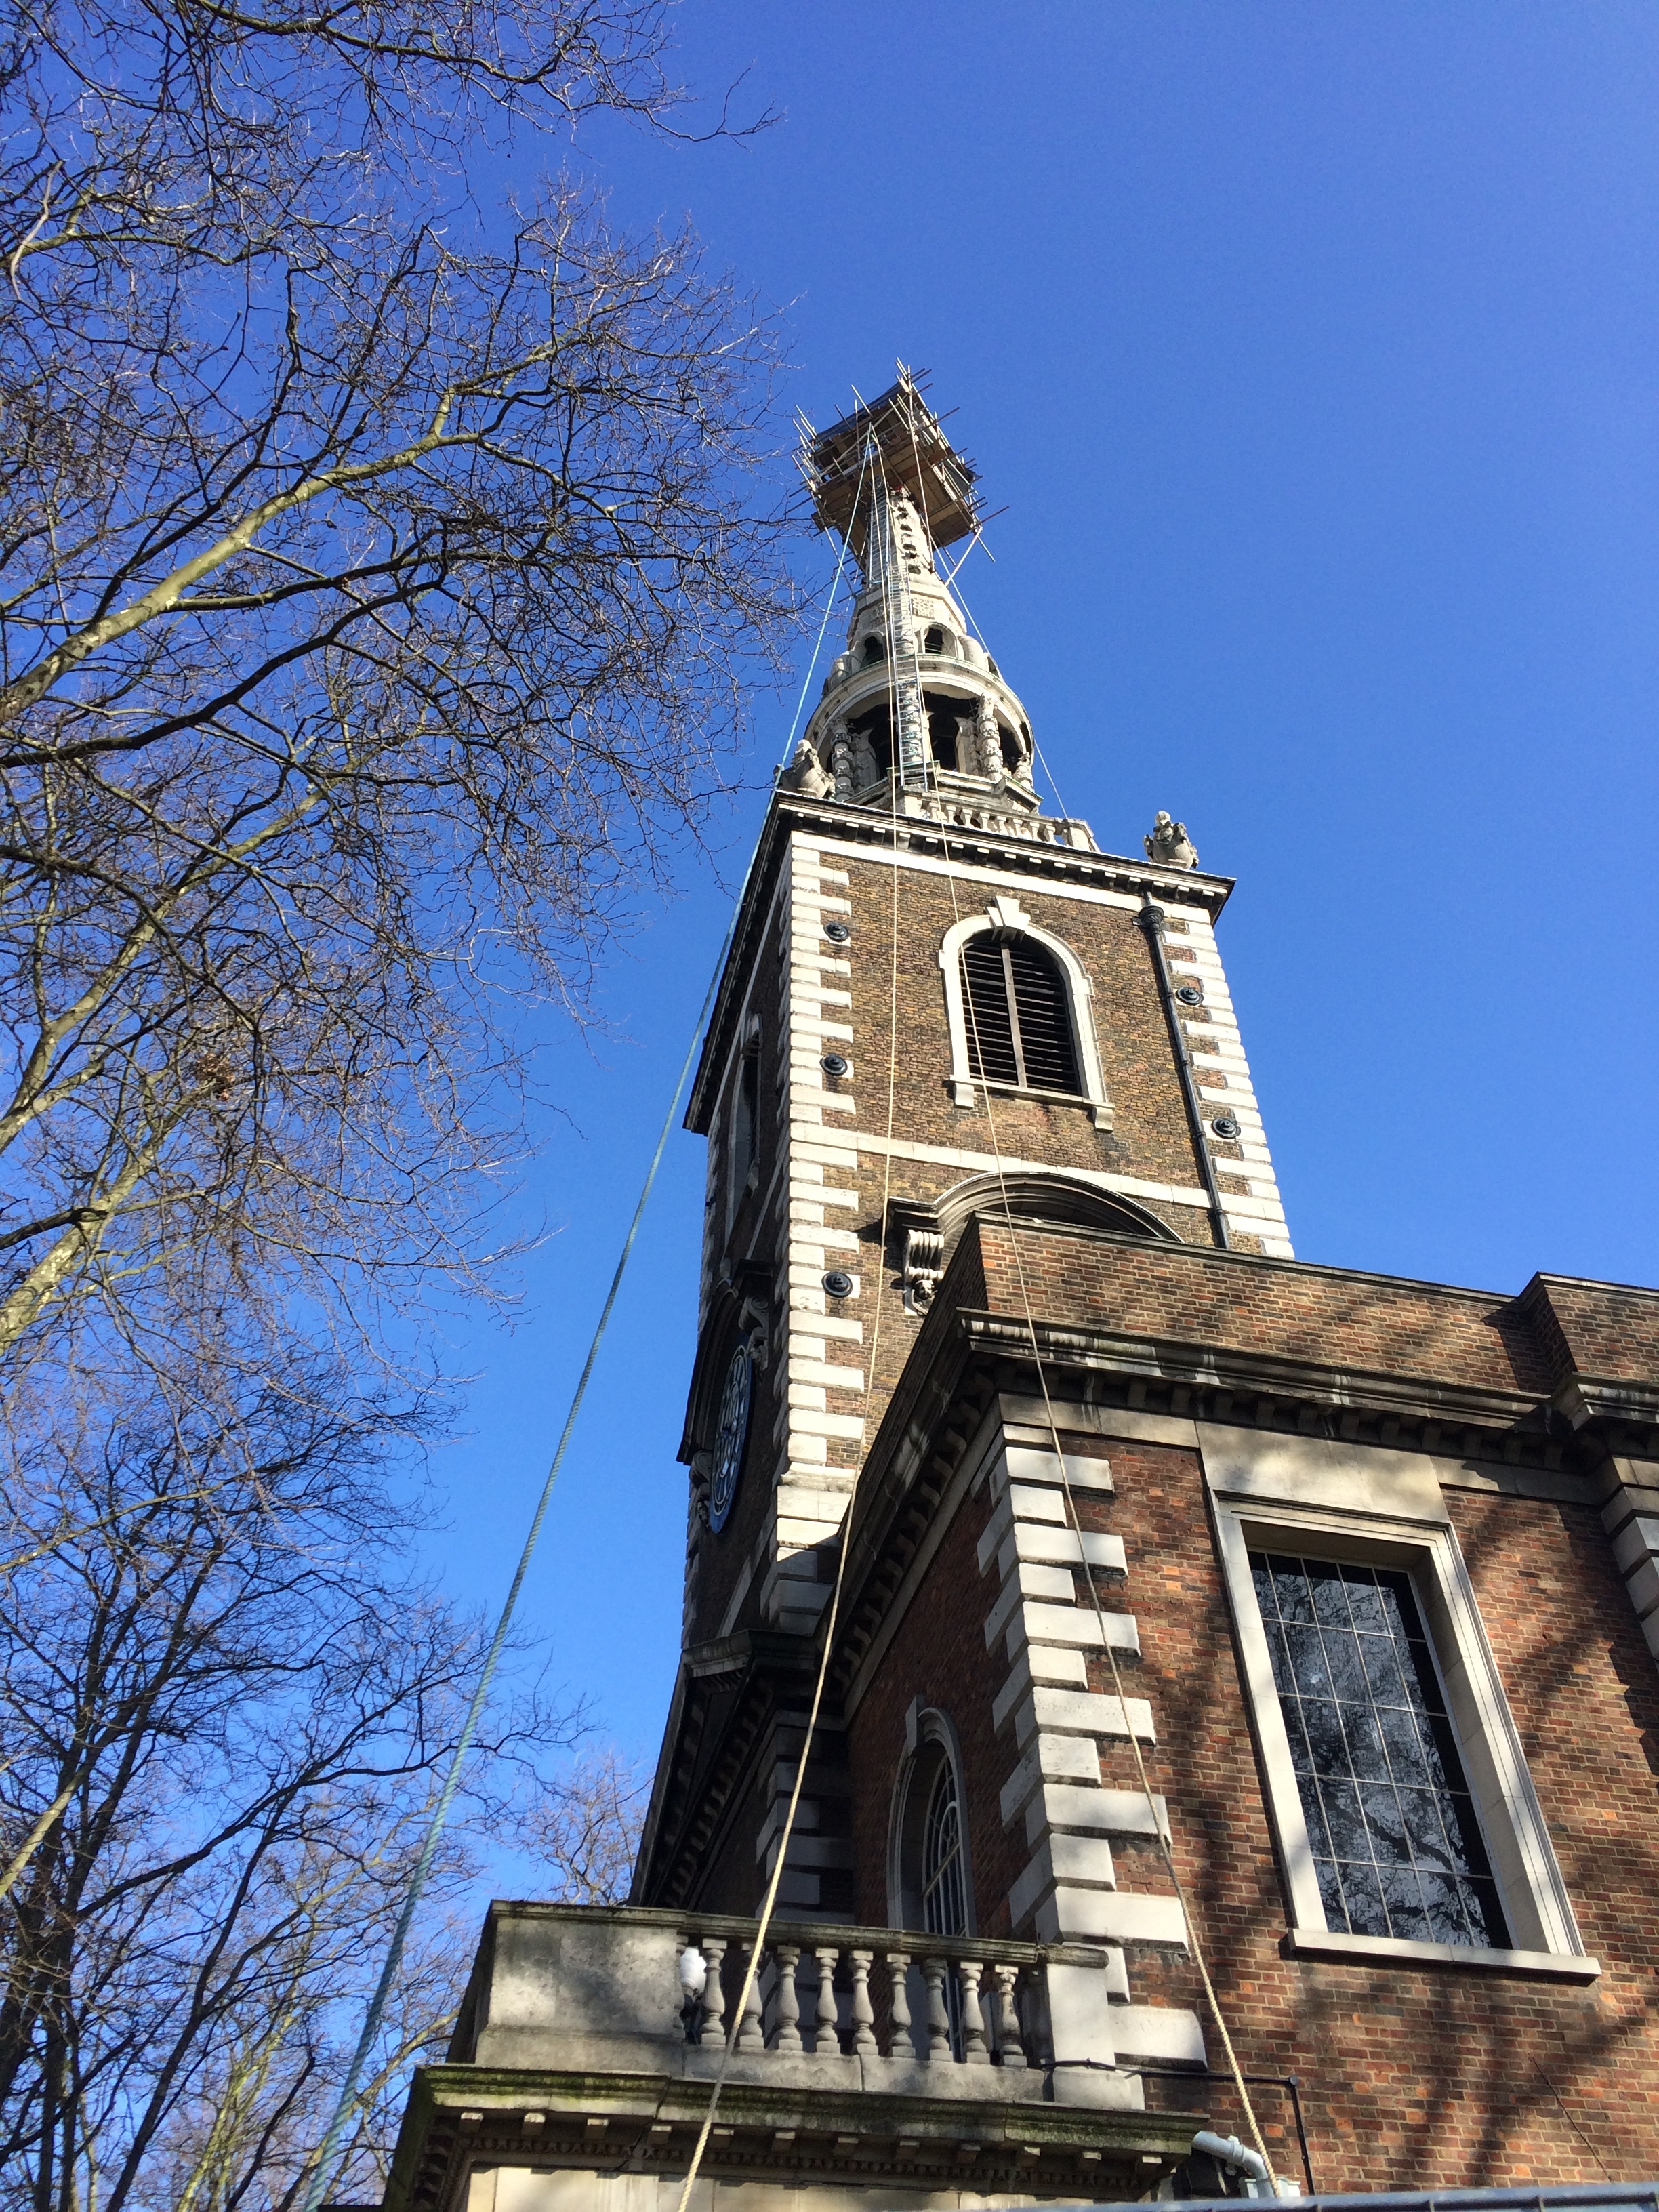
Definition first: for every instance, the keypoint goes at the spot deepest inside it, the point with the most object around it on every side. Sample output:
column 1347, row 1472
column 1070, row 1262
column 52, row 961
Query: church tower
column 1217, row 1656
column 938, row 993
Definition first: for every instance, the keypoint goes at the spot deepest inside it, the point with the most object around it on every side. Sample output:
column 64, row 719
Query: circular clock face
column 732, row 1437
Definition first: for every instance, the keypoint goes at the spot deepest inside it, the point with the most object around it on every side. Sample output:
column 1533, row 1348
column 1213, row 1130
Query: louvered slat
column 986, row 1011
column 1018, row 1015
column 1045, row 1018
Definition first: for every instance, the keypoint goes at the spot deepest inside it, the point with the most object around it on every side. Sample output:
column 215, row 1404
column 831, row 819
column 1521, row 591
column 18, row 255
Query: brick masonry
column 829, row 1170
column 1414, row 2075
column 1427, row 2077
column 1327, row 1315
column 816, row 974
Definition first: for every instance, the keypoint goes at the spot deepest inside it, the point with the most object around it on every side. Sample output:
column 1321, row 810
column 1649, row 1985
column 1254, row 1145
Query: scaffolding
column 916, row 457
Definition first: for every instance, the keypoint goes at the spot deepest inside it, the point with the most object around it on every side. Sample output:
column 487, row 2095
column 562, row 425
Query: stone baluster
column 788, row 1958
column 750, row 2033
column 1012, row 2049
column 864, row 2018
column 938, row 2019
column 826, row 2042
column 898, row 1968
column 713, row 2000
column 974, row 2049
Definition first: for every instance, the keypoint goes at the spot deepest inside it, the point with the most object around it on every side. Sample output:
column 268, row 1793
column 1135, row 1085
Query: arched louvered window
column 1018, row 1015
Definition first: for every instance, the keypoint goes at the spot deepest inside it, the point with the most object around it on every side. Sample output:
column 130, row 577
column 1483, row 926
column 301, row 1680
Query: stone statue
column 806, row 773
column 1169, row 845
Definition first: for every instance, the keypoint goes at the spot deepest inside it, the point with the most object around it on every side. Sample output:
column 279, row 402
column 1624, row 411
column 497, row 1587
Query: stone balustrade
column 831, row 1991
column 996, row 822
column 832, row 2008
column 880, row 2066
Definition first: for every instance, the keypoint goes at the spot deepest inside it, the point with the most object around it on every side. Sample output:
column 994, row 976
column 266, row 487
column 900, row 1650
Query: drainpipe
column 1151, row 920
column 1228, row 2151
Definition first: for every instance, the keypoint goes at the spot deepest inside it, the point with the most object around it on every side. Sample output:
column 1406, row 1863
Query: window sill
column 965, row 1091
column 1389, row 1951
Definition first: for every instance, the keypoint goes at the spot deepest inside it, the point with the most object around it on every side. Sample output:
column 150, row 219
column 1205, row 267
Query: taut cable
column 833, row 1610
column 1160, row 1827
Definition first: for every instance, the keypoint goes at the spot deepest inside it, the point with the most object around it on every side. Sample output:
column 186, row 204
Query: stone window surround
column 1384, row 1509
column 1005, row 914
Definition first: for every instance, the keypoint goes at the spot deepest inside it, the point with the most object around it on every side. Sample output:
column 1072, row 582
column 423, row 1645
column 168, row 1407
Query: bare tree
column 224, row 1718
column 380, row 583
column 586, row 1831
column 380, row 571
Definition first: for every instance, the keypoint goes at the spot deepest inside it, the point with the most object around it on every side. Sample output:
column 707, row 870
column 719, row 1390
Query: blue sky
column 1313, row 350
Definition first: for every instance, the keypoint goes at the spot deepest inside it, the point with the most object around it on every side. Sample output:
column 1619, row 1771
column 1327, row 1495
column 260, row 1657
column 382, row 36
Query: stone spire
column 914, row 708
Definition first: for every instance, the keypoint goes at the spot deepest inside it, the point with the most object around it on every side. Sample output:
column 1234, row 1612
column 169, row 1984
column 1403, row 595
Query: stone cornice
column 1291, row 1387
column 725, row 1691
column 461, row 2115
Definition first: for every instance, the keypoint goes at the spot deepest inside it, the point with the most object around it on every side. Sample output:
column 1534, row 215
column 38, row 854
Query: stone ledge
column 1388, row 1951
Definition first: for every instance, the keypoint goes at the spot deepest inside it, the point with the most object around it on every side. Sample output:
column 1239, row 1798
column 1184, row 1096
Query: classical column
column 933, row 1972
column 973, row 2027
column 713, row 2000
column 750, row 2033
column 898, row 1968
column 1009, row 2044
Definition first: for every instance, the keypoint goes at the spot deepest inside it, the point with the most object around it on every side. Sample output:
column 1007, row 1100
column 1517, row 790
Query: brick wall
column 1411, row 2077
column 1150, row 1137
column 1284, row 1308
column 1605, row 1329
column 1419, row 2078
column 938, row 1654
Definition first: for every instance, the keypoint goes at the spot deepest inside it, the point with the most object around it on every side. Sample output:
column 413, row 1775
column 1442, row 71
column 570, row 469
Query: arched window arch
column 1019, row 1005
column 944, row 1870
column 875, row 648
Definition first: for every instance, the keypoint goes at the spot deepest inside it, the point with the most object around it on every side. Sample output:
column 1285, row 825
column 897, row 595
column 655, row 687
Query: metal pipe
column 1287, row 2082
column 1228, row 2151
column 1152, row 919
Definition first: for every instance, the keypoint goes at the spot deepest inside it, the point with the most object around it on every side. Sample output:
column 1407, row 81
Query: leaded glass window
column 1391, row 1824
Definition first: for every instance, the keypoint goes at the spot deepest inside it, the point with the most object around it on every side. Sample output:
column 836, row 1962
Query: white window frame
column 1536, row 1906
column 1007, row 915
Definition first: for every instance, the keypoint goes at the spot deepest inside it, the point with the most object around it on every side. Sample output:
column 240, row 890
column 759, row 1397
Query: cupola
column 913, row 710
